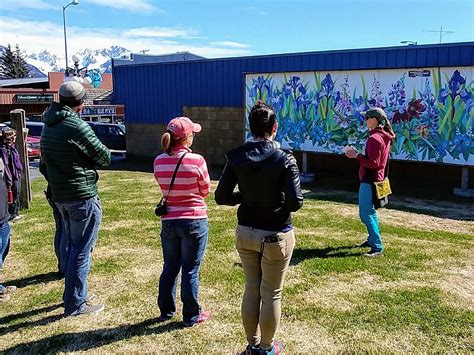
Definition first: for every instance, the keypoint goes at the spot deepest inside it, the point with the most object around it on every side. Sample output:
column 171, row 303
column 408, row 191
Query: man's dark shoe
column 204, row 316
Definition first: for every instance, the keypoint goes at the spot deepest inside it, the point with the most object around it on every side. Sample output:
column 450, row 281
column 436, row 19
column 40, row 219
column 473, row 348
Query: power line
column 441, row 32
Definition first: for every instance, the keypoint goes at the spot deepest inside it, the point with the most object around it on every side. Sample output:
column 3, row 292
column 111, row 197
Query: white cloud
column 158, row 32
column 130, row 5
column 229, row 44
column 49, row 36
column 27, row 4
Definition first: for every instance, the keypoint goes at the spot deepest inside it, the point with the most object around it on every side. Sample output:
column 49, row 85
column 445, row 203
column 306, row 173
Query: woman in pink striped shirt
column 184, row 228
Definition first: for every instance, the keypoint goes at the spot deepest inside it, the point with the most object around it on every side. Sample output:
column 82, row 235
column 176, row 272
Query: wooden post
column 17, row 118
column 305, row 176
column 464, row 191
column 305, row 163
column 464, row 177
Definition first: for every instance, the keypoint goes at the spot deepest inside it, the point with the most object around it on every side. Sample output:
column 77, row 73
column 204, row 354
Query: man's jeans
column 81, row 221
column 60, row 239
column 368, row 216
column 184, row 243
column 4, row 246
column 265, row 258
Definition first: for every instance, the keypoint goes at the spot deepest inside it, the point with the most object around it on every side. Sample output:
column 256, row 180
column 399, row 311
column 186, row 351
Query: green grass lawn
column 419, row 297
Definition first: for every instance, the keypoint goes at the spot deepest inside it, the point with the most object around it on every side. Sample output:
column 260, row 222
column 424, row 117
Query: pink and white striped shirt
column 191, row 185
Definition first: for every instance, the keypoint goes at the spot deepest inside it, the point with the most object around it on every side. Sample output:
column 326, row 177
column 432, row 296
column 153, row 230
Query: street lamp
column 73, row 2
column 410, row 43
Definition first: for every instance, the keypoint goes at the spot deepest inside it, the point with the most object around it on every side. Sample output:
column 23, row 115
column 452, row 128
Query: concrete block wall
column 222, row 130
column 144, row 140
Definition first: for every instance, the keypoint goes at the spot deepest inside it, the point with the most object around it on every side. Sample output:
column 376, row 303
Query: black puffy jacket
column 268, row 185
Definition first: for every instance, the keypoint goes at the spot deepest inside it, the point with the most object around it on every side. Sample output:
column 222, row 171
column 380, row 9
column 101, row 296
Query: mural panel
column 431, row 110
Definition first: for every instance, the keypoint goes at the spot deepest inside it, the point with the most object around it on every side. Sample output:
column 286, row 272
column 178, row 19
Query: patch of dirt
column 461, row 283
column 456, row 210
column 331, row 294
column 307, row 338
column 424, row 222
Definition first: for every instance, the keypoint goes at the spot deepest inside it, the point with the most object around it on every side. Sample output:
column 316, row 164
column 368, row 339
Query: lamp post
column 73, row 2
column 410, row 43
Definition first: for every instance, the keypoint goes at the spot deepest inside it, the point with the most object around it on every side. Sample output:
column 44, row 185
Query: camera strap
column 174, row 175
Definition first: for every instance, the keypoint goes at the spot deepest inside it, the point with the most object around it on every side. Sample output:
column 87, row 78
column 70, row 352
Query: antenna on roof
column 143, row 51
column 441, row 32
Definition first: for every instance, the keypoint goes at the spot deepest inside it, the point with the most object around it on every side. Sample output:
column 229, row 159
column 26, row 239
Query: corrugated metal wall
column 154, row 93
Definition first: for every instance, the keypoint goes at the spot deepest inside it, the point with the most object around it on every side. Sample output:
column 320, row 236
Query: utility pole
column 441, row 32
column 143, row 51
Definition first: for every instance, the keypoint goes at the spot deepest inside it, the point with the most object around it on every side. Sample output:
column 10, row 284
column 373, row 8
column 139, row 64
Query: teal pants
column 368, row 216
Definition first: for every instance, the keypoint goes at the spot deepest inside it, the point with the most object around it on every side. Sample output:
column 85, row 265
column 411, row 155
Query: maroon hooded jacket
column 374, row 161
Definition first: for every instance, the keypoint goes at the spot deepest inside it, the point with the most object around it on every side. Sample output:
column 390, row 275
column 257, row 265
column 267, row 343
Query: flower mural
column 432, row 117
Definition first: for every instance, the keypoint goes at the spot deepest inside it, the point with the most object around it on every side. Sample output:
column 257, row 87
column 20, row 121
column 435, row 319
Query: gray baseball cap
column 72, row 93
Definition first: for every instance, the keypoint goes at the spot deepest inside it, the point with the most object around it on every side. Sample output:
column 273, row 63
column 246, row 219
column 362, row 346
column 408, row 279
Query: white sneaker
column 373, row 253
column 16, row 218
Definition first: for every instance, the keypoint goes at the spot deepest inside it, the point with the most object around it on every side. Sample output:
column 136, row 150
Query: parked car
column 33, row 146
column 110, row 134
column 34, row 128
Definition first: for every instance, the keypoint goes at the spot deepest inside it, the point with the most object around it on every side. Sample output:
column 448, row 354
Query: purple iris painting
column 432, row 117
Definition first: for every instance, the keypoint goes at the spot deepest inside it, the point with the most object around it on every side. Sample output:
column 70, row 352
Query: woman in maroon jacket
column 372, row 168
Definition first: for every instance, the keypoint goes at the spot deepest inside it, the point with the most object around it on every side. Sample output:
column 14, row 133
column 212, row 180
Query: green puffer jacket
column 71, row 151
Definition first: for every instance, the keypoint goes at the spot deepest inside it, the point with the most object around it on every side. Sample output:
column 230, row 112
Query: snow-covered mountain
column 46, row 61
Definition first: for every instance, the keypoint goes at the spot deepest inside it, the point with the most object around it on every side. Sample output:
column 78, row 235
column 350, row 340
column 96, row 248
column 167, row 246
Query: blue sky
column 215, row 28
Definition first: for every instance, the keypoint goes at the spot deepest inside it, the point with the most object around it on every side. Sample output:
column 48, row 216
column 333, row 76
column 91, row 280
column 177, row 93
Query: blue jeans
column 4, row 246
column 81, row 221
column 368, row 216
column 60, row 239
column 184, row 243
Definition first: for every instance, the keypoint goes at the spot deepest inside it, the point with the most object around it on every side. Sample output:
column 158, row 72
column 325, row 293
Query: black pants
column 14, row 208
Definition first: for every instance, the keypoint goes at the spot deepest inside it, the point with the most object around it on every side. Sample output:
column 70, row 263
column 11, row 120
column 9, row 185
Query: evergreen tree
column 12, row 64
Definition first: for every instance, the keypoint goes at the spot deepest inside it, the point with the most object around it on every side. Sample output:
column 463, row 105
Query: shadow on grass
column 26, row 314
column 300, row 255
column 88, row 340
column 29, row 324
column 33, row 280
column 455, row 209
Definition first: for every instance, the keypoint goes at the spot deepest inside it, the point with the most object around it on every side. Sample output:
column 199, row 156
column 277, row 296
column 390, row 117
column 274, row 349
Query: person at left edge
column 5, row 291
column 71, row 152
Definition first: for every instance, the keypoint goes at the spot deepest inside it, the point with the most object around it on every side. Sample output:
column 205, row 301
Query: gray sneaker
column 88, row 309
column 373, row 253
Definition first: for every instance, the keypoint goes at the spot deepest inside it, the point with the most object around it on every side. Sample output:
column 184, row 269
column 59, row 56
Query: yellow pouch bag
column 382, row 188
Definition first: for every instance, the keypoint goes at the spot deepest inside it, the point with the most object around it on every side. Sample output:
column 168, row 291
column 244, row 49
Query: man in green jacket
column 71, row 152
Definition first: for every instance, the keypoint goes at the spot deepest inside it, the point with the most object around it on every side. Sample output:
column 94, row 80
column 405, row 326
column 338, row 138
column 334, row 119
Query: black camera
column 161, row 209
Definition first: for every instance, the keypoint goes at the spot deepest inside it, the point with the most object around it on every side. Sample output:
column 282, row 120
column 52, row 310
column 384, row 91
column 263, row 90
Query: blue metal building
column 156, row 92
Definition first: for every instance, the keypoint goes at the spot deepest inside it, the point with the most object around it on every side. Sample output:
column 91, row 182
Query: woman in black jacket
column 268, row 191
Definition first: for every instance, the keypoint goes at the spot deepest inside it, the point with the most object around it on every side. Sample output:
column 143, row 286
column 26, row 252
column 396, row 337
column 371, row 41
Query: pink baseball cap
column 183, row 127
